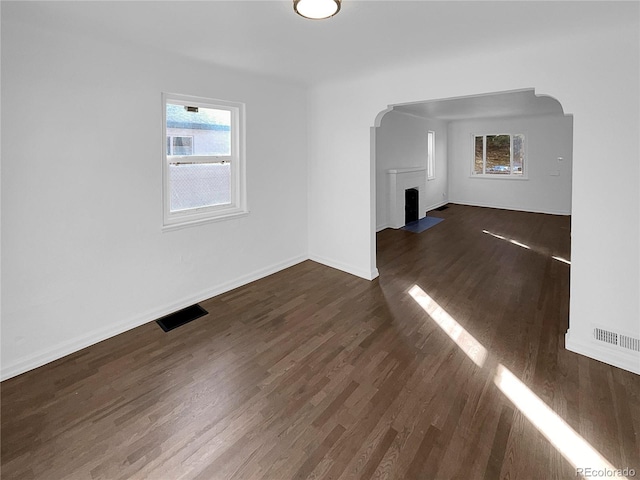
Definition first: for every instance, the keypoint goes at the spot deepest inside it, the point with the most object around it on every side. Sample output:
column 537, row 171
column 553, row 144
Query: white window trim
column 510, row 176
column 238, row 206
column 431, row 155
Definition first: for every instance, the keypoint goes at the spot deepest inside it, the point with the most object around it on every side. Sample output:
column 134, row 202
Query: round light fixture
column 316, row 9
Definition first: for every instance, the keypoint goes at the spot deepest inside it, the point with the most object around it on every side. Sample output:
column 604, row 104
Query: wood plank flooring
column 314, row 374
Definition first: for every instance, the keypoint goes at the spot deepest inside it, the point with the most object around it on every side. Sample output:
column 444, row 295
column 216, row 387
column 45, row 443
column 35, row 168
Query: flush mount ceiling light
column 316, row 9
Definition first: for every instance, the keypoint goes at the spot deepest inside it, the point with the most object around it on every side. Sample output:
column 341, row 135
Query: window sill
column 500, row 177
column 195, row 222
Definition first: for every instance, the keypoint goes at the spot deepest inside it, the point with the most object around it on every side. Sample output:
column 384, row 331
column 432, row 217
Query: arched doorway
column 464, row 169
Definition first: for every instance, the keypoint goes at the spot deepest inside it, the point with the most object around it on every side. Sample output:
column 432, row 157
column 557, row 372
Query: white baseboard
column 436, row 205
column 58, row 351
column 428, row 208
column 358, row 272
column 511, row 207
column 629, row 361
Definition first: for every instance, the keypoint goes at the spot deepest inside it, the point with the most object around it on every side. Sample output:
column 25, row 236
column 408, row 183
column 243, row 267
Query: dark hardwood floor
column 313, row 373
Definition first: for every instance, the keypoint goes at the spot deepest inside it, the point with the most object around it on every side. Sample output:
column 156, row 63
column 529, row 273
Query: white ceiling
column 507, row 104
column 267, row 37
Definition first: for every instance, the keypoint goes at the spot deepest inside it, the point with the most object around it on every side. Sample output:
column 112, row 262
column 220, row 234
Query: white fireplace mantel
column 395, row 171
column 400, row 179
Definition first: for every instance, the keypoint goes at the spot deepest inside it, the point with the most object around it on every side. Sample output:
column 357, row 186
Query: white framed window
column 431, row 155
column 203, row 162
column 499, row 156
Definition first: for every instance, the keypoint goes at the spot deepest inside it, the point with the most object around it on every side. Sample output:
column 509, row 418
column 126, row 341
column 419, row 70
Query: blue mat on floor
column 422, row 224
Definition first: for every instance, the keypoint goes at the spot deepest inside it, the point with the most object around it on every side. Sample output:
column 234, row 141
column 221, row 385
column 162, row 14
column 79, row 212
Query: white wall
column 547, row 188
column 83, row 255
column 401, row 142
column 599, row 89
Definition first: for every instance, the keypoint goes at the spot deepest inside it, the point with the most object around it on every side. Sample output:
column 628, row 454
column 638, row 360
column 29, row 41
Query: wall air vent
column 617, row 339
column 630, row 343
column 605, row 336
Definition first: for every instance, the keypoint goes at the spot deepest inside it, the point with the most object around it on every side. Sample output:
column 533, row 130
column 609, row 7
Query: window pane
column 182, row 146
column 518, row 154
column 199, row 185
column 208, row 128
column 498, row 154
column 477, row 168
column 430, row 155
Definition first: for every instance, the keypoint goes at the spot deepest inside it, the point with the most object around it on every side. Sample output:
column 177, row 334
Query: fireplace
column 411, row 205
column 401, row 180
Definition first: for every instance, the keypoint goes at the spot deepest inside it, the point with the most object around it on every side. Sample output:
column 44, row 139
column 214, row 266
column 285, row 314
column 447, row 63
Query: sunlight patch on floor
column 567, row 441
column 587, row 461
column 469, row 345
column 493, row 234
column 515, row 242
column 520, row 244
column 560, row 259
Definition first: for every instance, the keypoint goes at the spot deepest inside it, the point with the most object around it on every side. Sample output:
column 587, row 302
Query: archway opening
column 505, row 150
